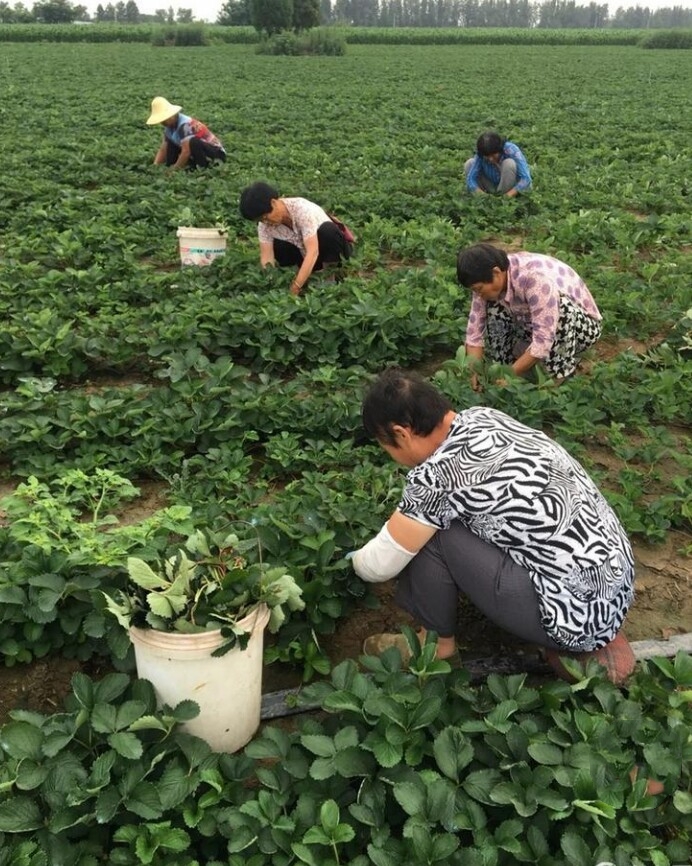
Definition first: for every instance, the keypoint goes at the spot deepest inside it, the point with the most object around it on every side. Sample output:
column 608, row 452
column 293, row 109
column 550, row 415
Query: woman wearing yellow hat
column 187, row 143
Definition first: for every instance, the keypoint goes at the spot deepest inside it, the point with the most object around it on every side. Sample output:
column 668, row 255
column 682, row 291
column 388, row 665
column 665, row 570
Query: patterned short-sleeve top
column 535, row 284
column 516, row 488
column 190, row 127
column 306, row 217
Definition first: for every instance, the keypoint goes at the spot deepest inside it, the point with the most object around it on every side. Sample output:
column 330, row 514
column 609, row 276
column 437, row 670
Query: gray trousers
column 455, row 560
column 508, row 177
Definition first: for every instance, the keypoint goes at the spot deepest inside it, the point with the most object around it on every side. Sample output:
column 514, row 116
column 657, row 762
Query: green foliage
column 98, row 33
column 490, row 36
column 110, row 32
column 60, row 561
column 238, row 16
column 320, row 41
column 284, row 42
column 667, row 39
column 206, row 584
column 235, row 13
column 237, row 398
column 403, row 766
column 180, row 35
column 55, row 12
column 680, row 337
column 306, row 15
column 61, row 546
column 271, row 16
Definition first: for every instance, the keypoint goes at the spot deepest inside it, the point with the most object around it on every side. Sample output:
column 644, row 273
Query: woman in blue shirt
column 187, row 142
column 498, row 168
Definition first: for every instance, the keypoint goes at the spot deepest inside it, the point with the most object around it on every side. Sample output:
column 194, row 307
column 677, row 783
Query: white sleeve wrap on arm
column 381, row 558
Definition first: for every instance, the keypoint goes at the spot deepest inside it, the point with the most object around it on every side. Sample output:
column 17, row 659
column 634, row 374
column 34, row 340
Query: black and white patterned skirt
column 576, row 332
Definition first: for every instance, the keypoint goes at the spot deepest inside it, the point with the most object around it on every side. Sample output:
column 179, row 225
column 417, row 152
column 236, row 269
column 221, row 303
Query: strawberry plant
column 416, row 766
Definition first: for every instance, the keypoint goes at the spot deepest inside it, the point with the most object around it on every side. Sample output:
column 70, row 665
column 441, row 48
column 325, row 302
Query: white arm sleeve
column 381, row 558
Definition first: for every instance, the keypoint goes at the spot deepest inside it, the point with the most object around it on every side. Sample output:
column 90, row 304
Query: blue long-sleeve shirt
column 482, row 166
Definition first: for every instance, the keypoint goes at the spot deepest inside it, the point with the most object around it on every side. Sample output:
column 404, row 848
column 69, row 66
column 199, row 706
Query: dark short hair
column 490, row 142
column 403, row 398
column 256, row 200
column 475, row 264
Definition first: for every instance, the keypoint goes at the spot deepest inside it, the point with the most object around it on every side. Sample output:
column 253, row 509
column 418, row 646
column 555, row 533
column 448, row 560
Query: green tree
column 566, row 13
column 326, row 11
column 22, row 15
column 55, row 12
column 131, row 12
column 634, row 17
column 367, row 13
column 7, row 14
column 342, row 11
column 306, row 14
column 235, row 13
column 272, row 16
column 674, row 16
column 184, row 16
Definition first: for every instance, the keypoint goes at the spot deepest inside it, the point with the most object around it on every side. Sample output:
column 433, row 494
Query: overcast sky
column 208, row 10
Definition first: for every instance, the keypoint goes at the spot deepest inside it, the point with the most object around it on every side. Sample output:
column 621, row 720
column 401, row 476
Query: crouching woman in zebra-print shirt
column 503, row 514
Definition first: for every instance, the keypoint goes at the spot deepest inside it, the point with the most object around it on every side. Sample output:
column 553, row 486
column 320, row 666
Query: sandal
column 377, row 644
column 616, row 657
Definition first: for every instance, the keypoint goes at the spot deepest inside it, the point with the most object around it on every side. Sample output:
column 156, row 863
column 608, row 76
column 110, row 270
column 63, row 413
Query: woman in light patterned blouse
column 527, row 309
column 294, row 232
column 503, row 514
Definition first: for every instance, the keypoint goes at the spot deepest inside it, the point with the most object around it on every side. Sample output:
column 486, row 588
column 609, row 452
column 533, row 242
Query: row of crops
column 111, row 32
column 121, row 371
column 240, row 398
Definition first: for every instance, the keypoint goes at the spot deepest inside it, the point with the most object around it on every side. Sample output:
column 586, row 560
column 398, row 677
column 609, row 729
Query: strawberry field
column 218, row 396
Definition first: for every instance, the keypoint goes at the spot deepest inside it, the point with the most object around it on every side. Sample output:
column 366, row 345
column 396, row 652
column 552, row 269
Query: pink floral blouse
column 534, row 285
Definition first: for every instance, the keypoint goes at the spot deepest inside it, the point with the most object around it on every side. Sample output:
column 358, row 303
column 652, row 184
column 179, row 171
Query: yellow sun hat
column 161, row 109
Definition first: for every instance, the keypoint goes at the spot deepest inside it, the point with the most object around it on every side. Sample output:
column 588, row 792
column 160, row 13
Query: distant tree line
column 65, row 12
column 128, row 13
column 465, row 13
column 272, row 16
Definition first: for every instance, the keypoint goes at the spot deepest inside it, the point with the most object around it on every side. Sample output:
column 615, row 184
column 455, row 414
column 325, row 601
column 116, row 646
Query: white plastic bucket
column 201, row 246
column 228, row 689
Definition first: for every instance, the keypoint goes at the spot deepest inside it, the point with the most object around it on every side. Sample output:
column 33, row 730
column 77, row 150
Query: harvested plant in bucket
column 204, row 585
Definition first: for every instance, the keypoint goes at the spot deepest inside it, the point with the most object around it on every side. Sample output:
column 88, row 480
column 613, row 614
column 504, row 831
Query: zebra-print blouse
column 518, row 489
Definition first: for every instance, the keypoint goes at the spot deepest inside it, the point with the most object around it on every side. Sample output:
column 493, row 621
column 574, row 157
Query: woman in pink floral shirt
column 293, row 231
column 527, row 309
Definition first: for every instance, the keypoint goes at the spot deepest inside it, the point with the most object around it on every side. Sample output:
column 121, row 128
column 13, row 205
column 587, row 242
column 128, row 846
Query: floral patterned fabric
column 535, row 284
column 306, row 217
